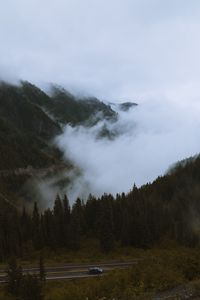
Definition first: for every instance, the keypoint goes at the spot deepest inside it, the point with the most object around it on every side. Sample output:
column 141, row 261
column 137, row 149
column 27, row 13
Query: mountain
column 25, row 131
column 125, row 106
column 66, row 108
column 30, row 119
column 166, row 211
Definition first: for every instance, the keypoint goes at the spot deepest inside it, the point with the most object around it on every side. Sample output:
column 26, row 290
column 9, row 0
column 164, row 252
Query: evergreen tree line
column 167, row 208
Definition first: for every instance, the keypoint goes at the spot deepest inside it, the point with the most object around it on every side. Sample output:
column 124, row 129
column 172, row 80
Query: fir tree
column 14, row 275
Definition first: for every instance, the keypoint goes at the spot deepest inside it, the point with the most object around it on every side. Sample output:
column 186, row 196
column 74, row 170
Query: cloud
column 112, row 49
column 154, row 136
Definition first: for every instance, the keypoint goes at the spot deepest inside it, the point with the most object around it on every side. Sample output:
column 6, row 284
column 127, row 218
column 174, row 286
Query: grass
column 158, row 269
column 88, row 253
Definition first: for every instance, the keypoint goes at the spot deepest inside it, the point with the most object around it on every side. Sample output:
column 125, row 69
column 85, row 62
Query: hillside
column 30, row 119
column 166, row 210
column 66, row 108
column 25, row 131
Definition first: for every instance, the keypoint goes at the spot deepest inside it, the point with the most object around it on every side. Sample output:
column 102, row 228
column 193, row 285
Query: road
column 72, row 271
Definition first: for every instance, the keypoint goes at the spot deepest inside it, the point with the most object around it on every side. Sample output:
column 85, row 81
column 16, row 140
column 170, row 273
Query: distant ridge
column 124, row 106
column 127, row 105
column 30, row 119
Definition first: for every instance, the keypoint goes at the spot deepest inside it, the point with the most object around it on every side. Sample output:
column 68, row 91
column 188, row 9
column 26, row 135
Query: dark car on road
column 95, row 271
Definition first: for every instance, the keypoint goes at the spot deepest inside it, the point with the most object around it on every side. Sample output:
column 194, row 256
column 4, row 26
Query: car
column 95, row 271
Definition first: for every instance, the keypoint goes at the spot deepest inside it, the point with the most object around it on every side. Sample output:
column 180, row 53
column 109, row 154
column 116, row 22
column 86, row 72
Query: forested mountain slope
column 66, row 108
column 25, row 131
column 168, row 209
column 30, row 119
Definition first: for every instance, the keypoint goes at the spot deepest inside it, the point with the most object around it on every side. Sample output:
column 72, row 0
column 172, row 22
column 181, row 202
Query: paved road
column 72, row 271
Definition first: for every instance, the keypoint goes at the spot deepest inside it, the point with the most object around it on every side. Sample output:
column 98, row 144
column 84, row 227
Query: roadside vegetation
column 160, row 270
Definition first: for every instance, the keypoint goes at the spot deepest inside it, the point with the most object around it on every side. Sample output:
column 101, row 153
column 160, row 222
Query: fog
column 145, row 51
column 152, row 136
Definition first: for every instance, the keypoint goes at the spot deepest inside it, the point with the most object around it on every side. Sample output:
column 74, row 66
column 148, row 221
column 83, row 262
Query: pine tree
column 14, row 275
column 31, row 288
column 66, row 221
column 36, row 228
column 92, row 210
column 58, row 213
column 25, row 226
column 106, row 226
column 48, row 229
column 74, row 232
column 125, row 229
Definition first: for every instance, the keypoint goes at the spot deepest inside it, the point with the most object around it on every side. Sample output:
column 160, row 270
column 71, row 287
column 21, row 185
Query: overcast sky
column 114, row 49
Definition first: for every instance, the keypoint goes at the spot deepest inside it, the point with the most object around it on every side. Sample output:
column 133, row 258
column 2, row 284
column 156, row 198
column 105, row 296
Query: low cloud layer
column 154, row 135
column 112, row 49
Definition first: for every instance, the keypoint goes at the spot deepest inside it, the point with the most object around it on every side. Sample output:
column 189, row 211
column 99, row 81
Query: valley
column 136, row 234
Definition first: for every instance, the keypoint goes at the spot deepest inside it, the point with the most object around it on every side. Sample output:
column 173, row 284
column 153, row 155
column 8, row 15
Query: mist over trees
column 167, row 208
